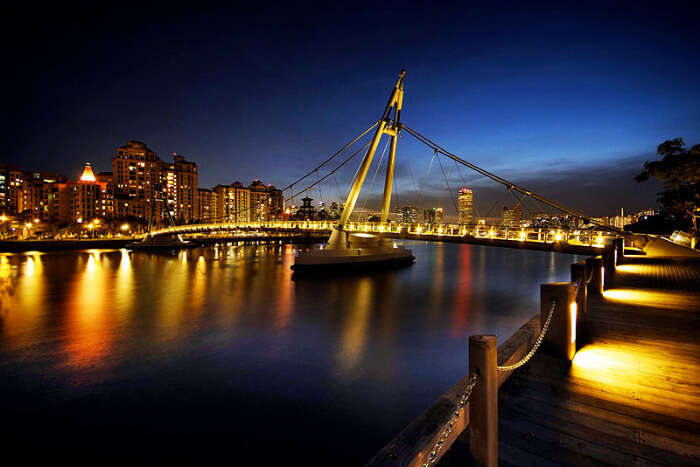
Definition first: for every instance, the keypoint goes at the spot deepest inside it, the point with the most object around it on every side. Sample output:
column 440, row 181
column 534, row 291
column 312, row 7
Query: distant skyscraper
column 433, row 215
column 465, row 204
column 511, row 216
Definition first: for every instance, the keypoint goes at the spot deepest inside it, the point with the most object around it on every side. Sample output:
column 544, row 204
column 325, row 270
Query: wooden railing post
column 560, row 339
column 619, row 244
column 594, row 270
column 578, row 275
column 483, row 403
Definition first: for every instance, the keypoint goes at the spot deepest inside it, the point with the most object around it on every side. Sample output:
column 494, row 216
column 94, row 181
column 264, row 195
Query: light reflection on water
column 226, row 336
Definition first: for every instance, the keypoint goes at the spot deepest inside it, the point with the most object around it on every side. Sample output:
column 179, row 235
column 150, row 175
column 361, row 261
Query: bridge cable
column 348, row 159
column 331, row 158
column 431, row 144
column 449, row 190
column 413, row 179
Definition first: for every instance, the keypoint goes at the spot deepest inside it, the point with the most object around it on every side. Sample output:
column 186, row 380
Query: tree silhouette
column 679, row 170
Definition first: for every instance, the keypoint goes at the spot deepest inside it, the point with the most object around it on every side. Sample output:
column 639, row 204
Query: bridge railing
column 594, row 238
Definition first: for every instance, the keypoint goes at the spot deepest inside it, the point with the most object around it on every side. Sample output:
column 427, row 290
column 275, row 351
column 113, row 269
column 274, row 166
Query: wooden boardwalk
column 631, row 395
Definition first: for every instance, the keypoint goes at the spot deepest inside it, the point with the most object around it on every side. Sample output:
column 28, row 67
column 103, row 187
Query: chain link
column 590, row 277
column 433, row 456
column 532, row 351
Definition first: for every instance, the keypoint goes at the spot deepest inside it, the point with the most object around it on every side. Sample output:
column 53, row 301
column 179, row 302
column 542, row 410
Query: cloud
column 594, row 189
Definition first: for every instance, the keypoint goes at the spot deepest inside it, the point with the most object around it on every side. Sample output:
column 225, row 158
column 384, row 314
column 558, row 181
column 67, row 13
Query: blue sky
column 569, row 100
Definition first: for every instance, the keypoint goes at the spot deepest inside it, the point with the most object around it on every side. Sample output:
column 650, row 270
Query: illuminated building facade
column 433, row 215
column 511, row 216
column 137, row 174
column 407, row 214
column 233, row 202
column 4, row 208
column 465, row 206
column 179, row 185
column 207, row 205
column 259, row 201
column 106, row 202
column 276, row 202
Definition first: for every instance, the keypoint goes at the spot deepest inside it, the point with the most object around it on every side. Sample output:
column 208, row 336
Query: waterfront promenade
column 631, row 395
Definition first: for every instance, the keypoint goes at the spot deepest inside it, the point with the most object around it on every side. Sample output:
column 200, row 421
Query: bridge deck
column 632, row 394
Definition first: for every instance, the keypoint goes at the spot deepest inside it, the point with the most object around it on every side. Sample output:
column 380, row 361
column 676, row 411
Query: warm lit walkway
column 632, row 394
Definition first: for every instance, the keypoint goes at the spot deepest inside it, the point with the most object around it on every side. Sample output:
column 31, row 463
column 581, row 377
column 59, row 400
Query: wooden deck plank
column 632, row 393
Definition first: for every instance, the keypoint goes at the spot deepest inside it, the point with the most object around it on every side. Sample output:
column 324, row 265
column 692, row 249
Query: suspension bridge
column 605, row 372
column 572, row 227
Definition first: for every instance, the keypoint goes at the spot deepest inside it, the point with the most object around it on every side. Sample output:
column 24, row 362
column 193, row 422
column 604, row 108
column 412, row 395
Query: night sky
column 567, row 101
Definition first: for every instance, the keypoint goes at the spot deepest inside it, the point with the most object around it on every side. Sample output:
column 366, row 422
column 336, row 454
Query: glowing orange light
column 87, row 175
column 573, row 310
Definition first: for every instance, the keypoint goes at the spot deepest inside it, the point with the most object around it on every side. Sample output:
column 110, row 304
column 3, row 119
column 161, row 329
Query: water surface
column 217, row 354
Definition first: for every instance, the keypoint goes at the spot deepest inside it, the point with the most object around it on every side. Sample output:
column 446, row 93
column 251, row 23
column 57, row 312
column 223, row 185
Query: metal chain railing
column 433, row 456
column 532, row 351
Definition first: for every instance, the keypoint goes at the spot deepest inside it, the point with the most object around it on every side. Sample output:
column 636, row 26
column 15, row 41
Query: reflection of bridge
column 594, row 238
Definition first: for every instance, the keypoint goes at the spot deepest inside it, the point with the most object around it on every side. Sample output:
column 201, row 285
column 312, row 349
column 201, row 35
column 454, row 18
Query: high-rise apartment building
column 276, row 202
column 106, row 206
column 15, row 181
column 4, row 179
column 259, row 201
column 179, row 185
column 84, row 197
column 137, row 176
column 143, row 182
column 233, row 202
column 465, row 206
column 207, row 205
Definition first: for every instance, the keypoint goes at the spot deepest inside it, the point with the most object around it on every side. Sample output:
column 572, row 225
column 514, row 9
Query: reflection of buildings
column 465, row 205
column 511, row 216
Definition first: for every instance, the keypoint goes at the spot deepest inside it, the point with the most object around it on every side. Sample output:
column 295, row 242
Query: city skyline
column 596, row 104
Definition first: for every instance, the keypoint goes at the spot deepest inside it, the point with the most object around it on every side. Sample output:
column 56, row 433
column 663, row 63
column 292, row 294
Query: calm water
column 217, row 354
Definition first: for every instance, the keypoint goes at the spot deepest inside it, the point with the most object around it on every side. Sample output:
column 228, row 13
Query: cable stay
column 339, row 151
column 332, row 172
column 511, row 185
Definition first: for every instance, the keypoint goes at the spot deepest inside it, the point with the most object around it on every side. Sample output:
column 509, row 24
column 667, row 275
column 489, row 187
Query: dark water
column 216, row 355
